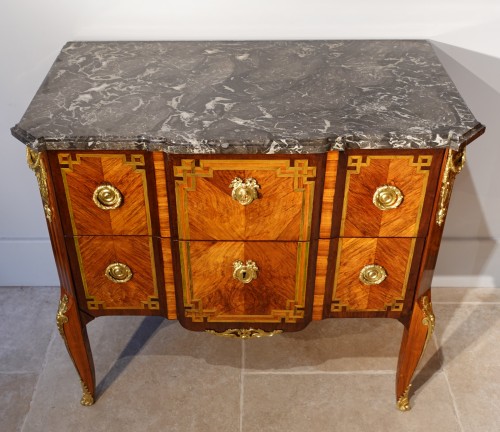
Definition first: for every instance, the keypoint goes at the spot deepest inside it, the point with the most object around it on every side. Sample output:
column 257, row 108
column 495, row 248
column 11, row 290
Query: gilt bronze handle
column 244, row 191
column 107, row 197
column 387, row 197
column 372, row 274
column 118, row 272
column 245, row 273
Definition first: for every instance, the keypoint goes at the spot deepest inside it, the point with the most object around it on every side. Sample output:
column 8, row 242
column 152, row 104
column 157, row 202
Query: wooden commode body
column 247, row 188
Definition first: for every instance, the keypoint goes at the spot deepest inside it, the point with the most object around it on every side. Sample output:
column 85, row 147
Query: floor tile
column 355, row 402
column 468, row 336
column 27, row 321
column 465, row 295
column 15, row 398
column 151, row 374
column 334, row 375
column 333, row 345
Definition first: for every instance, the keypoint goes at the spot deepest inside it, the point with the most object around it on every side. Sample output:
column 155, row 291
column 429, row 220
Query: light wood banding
column 161, row 193
column 168, row 275
column 320, row 280
column 325, row 228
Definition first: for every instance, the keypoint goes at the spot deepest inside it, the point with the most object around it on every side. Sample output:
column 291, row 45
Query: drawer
column 106, row 194
column 117, row 273
column 373, row 274
column 245, row 199
column 386, row 195
column 259, row 282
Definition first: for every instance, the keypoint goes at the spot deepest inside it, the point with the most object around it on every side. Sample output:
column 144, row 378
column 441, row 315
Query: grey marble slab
column 247, row 97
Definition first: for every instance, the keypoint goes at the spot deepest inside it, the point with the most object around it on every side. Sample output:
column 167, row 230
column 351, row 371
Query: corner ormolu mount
column 454, row 164
column 33, row 158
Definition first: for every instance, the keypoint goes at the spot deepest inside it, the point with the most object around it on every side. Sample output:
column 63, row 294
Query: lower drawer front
column 117, row 273
column 253, row 282
column 372, row 274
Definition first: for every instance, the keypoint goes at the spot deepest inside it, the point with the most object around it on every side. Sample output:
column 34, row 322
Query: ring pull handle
column 244, row 191
column 118, row 272
column 245, row 273
column 107, row 197
column 372, row 274
column 387, row 197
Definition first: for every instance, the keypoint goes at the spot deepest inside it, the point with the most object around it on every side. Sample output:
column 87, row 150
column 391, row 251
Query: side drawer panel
column 388, row 195
column 373, row 274
column 89, row 177
column 118, row 274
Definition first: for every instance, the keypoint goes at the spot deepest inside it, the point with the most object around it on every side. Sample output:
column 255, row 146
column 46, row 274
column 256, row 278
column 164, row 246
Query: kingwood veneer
column 247, row 188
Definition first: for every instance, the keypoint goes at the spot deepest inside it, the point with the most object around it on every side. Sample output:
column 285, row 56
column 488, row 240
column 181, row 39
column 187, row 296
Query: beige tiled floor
column 336, row 375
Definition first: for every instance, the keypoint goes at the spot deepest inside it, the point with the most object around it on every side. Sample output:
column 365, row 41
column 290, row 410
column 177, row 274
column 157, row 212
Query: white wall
column 466, row 35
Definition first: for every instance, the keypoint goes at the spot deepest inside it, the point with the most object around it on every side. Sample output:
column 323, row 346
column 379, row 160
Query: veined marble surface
column 247, row 97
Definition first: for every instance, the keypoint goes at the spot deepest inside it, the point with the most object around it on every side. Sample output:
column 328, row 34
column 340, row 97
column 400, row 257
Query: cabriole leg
column 416, row 335
column 74, row 334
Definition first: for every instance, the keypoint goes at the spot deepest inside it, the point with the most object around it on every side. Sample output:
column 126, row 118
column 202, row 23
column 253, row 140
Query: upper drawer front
column 244, row 199
column 385, row 195
column 224, row 282
column 106, row 193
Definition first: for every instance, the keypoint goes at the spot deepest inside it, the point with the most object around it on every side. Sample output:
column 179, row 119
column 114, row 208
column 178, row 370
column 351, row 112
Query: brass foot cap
column 403, row 405
column 403, row 402
column 87, row 400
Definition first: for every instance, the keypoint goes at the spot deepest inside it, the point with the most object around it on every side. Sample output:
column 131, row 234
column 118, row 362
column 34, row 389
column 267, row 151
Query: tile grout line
column 19, row 372
column 453, row 401
column 360, row 372
column 44, row 364
column 242, row 383
column 474, row 303
column 445, row 375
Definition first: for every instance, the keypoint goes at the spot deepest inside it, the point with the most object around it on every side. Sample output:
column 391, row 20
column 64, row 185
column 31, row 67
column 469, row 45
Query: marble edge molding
column 330, row 95
column 336, row 142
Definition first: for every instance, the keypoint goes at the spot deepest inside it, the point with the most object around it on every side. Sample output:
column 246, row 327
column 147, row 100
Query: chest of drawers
column 246, row 189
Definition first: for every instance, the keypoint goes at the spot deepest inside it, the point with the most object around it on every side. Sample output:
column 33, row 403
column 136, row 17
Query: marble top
column 247, row 97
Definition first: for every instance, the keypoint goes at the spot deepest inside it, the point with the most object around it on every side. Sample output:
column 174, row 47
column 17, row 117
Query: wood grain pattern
column 365, row 173
column 212, row 294
column 161, row 193
column 325, row 230
column 412, row 347
column 415, row 332
column 78, row 346
column 96, row 253
column 206, row 210
column 283, row 296
column 320, row 280
column 168, row 276
column 430, row 254
column 75, row 330
column 82, row 173
column 349, row 293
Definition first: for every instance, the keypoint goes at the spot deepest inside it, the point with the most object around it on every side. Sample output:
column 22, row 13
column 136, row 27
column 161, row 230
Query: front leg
column 74, row 334
column 417, row 333
column 69, row 322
